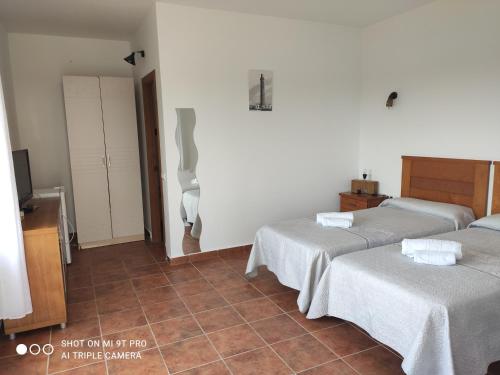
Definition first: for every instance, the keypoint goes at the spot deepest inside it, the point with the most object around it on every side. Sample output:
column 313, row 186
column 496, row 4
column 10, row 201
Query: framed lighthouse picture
column 260, row 90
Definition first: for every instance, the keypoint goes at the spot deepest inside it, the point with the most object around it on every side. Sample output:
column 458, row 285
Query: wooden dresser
column 353, row 202
column 46, row 269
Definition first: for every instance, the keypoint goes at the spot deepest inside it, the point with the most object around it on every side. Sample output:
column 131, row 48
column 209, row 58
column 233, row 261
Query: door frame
column 153, row 156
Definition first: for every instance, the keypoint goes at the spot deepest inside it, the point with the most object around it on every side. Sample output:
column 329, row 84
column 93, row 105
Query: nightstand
column 353, row 202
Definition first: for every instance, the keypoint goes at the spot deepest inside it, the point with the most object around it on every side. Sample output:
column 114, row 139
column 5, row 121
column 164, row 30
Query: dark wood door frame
column 150, row 106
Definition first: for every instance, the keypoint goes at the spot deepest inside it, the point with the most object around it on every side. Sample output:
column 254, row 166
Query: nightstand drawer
column 354, row 202
column 347, row 204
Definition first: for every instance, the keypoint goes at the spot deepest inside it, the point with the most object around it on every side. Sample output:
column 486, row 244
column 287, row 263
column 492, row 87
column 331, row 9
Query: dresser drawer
column 347, row 204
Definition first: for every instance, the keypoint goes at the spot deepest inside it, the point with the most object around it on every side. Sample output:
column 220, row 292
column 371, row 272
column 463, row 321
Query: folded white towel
column 436, row 258
column 338, row 223
column 410, row 246
column 320, row 218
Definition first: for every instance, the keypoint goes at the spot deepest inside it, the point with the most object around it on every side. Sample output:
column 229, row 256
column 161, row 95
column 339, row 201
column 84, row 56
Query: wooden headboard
column 458, row 181
column 495, row 206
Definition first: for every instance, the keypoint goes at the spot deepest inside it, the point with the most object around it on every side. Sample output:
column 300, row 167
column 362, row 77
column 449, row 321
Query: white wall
column 255, row 168
column 8, row 91
column 146, row 38
column 38, row 63
column 444, row 61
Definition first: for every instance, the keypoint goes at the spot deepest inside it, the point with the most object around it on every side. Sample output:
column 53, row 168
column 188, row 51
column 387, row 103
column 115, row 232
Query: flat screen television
column 23, row 176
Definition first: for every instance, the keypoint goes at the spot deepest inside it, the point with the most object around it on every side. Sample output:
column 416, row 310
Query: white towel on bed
column 338, row 223
column 409, row 247
column 335, row 219
column 436, row 258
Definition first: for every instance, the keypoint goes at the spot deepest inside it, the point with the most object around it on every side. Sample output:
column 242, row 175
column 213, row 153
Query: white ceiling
column 118, row 19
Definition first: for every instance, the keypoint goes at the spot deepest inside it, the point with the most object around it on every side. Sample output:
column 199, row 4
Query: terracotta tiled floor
column 200, row 318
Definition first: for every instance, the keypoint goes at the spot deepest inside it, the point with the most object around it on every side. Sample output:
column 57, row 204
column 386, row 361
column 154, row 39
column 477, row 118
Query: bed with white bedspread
column 443, row 320
column 298, row 251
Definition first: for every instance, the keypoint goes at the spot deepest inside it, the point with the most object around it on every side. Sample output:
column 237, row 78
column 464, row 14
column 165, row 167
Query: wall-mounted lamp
column 131, row 58
column 390, row 100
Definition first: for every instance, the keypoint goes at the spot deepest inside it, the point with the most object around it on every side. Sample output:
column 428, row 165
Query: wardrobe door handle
column 103, row 161
column 109, row 161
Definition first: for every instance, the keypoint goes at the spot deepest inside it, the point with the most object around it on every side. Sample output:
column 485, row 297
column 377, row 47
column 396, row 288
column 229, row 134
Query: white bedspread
column 442, row 320
column 190, row 200
column 298, row 251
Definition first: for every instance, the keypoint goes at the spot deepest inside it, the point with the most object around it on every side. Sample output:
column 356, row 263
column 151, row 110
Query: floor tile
column 278, row 328
column 214, row 320
column 183, row 275
column 312, row 325
column 121, row 320
column 150, row 282
column 79, row 281
column 117, row 288
column 376, row 361
column 167, row 268
column 65, row 358
column 241, row 293
column 216, row 368
column 140, row 271
column 27, row 364
column 107, row 278
column 175, row 330
column 82, row 310
column 193, row 287
column 303, row 352
column 270, row 286
column 205, row 301
column 257, row 309
column 261, row 361
column 185, row 355
column 158, row 312
column 132, row 340
column 98, row 368
column 344, row 339
column 331, row 368
column 81, row 295
column 286, row 301
column 116, row 303
column 164, row 293
column 82, row 329
column 149, row 363
column 235, row 340
column 226, row 280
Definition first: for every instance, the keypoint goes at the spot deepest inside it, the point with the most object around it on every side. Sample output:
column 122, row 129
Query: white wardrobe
column 104, row 154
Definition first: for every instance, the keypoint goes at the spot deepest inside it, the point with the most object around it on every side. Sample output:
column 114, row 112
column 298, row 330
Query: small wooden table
column 45, row 266
column 353, row 202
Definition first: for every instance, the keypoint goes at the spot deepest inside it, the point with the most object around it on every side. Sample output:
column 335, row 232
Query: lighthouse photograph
column 260, row 90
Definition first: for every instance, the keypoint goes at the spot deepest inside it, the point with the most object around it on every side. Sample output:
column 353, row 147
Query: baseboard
column 198, row 257
column 112, row 241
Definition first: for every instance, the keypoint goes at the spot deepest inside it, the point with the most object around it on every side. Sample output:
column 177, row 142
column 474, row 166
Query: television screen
column 23, row 175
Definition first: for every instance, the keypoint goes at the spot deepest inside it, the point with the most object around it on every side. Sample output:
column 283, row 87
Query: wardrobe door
column 122, row 148
column 87, row 156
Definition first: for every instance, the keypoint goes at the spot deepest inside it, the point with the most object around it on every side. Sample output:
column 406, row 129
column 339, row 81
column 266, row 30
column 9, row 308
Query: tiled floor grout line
column 205, row 275
column 203, row 331
column 255, row 331
column 48, row 357
column 324, row 345
column 100, row 330
column 150, row 330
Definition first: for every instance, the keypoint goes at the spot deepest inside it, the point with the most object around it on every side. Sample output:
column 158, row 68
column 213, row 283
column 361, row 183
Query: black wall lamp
column 131, row 58
column 390, row 100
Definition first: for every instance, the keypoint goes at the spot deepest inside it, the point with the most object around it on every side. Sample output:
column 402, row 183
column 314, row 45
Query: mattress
column 443, row 320
column 298, row 251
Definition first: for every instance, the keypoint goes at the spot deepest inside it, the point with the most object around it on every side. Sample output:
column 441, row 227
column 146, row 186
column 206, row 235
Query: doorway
column 150, row 106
